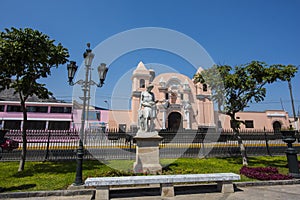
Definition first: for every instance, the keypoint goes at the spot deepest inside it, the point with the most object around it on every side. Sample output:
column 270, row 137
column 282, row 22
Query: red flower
column 263, row 173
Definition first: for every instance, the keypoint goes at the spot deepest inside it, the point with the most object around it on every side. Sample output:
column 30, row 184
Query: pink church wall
column 260, row 120
column 90, row 122
column 119, row 117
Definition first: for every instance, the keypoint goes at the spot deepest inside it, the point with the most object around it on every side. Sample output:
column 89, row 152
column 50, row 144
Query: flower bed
column 263, row 173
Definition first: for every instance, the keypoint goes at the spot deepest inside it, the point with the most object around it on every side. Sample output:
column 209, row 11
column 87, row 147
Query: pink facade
column 41, row 115
column 190, row 106
column 49, row 115
column 181, row 103
column 119, row 119
column 94, row 118
column 269, row 120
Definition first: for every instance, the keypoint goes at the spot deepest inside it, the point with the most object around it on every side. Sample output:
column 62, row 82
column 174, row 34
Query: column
column 164, row 113
column 188, row 124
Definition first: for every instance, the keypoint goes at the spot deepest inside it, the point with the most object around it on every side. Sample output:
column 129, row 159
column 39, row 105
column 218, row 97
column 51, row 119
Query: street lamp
column 85, row 84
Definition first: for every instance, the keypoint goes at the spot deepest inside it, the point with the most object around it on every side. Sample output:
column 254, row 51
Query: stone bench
column 166, row 182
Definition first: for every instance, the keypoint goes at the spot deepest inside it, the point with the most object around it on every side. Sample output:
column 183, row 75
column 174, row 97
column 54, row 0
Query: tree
column 233, row 88
column 27, row 55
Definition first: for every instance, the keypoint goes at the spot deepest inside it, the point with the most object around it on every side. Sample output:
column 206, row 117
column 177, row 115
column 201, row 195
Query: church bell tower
column 141, row 78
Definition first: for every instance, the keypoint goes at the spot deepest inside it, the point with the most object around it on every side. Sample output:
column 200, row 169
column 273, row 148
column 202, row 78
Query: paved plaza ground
column 266, row 192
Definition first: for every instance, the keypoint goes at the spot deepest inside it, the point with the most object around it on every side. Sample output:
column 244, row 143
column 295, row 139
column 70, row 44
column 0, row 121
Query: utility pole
column 293, row 107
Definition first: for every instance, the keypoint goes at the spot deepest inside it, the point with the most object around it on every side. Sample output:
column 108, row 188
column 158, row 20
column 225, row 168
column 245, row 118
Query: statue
column 147, row 139
column 186, row 108
column 147, row 110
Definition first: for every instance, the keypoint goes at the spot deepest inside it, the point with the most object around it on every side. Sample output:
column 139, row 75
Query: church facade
column 183, row 104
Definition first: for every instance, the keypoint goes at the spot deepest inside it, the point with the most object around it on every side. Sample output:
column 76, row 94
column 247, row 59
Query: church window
column 167, row 96
column 204, row 88
column 142, row 83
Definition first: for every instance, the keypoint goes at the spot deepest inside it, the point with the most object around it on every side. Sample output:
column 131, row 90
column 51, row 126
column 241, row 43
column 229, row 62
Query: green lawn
column 59, row 175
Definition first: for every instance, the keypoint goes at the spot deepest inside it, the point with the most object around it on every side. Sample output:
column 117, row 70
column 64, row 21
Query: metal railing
column 62, row 144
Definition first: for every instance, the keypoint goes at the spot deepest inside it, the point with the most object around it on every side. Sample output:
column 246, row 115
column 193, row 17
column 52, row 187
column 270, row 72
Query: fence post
column 202, row 144
column 47, row 148
column 267, row 142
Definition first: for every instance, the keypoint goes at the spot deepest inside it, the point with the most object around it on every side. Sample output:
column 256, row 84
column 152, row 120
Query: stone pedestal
column 147, row 153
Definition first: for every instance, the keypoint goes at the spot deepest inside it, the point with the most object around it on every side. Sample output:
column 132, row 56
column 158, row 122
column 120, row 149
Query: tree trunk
column 24, row 146
column 236, row 132
column 243, row 150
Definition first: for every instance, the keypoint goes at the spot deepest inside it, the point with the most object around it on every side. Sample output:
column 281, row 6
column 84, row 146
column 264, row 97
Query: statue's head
column 150, row 87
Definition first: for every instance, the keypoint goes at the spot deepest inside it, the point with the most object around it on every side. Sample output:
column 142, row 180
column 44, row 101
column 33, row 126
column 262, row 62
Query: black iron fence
column 62, row 144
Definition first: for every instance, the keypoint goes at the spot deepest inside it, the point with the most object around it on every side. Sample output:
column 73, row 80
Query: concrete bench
column 166, row 182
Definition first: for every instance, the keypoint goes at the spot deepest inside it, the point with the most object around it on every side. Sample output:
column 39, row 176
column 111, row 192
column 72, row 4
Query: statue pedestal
column 147, row 153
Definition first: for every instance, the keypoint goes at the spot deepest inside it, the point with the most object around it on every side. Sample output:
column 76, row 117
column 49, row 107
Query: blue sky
column 232, row 32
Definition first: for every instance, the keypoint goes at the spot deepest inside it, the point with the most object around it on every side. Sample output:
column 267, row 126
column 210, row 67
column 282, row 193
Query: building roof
column 141, row 66
column 10, row 95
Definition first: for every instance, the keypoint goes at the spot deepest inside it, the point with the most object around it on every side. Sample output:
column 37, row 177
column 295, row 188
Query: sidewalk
column 194, row 192
column 275, row 192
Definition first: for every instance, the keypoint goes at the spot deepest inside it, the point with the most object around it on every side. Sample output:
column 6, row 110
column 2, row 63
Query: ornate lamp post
column 85, row 84
column 291, row 153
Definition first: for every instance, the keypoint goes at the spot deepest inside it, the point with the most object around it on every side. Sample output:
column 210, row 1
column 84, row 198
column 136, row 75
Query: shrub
column 114, row 173
column 263, row 173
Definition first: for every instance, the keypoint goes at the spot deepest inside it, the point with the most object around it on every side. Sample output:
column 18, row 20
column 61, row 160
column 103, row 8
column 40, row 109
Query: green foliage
column 233, row 88
column 59, row 175
column 27, row 55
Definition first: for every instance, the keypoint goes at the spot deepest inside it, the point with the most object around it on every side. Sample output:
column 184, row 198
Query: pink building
column 95, row 117
column 190, row 106
column 182, row 104
column 269, row 120
column 41, row 115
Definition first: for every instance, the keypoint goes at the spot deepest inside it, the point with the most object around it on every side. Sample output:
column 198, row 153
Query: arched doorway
column 277, row 126
column 175, row 121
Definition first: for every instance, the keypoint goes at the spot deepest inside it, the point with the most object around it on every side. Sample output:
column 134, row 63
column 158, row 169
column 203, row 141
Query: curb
column 74, row 192
column 46, row 193
column 267, row 183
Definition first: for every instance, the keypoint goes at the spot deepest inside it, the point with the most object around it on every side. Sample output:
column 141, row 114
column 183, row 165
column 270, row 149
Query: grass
column 59, row 175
